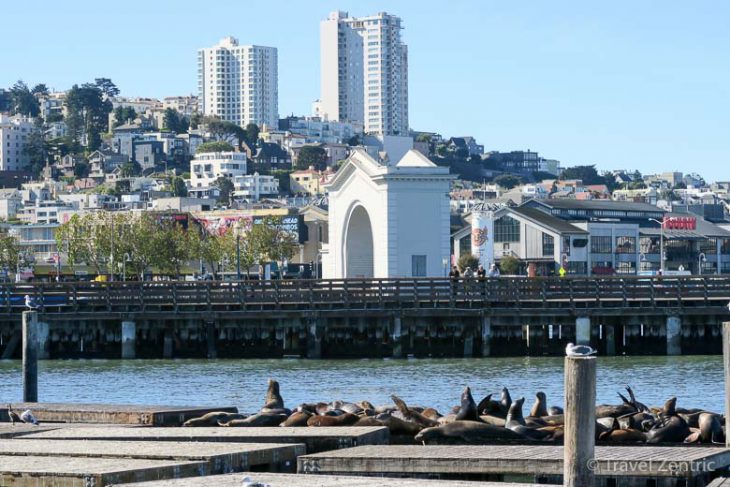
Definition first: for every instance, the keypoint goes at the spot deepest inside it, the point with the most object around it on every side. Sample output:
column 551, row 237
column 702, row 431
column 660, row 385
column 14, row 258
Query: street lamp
column 661, row 240
column 702, row 258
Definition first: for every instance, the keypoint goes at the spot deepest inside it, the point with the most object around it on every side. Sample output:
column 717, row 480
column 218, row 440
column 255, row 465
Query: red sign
column 680, row 223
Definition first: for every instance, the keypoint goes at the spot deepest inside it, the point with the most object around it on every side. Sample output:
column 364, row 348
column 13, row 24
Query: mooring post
column 486, row 335
column 396, row 337
column 129, row 339
column 726, row 366
column 30, row 356
column 580, row 422
column 44, row 335
column 583, row 330
column 674, row 335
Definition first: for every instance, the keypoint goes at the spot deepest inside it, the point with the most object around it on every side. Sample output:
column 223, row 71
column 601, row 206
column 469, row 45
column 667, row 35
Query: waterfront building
column 387, row 219
column 364, row 72
column 239, row 83
column 14, row 132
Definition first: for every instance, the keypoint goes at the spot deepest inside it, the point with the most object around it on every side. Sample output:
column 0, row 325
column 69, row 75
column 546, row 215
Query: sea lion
column 711, row 429
column 465, row 432
column 368, row 421
column 345, row 419
column 260, row 419
column 489, row 406
column 516, row 422
column 212, row 419
column 555, row 411
column 298, row 418
column 351, row 408
column 539, row 409
column 505, row 400
column 413, row 416
column 494, row 420
column 273, row 398
column 468, row 410
column 624, row 436
column 641, row 407
column 670, row 430
column 431, row 413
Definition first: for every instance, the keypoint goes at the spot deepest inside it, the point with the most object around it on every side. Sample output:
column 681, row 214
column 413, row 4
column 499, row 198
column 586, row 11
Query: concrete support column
column 610, row 338
column 674, row 335
column 314, row 340
column 129, row 339
column 486, row 336
column 44, row 352
column 468, row 343
column 211, row 336
column 167, row 343
column 396, row 336
column 583, row 330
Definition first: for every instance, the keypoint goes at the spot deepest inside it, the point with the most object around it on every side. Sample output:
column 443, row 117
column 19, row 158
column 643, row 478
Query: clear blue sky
column 637, row 85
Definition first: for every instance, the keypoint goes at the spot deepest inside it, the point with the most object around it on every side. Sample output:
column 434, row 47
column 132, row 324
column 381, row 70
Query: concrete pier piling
column 486, row 335
column 30, row 356
column 583, row 330
column 674, row 335
column 396, row 337
column 129, row 339
column 314, row 341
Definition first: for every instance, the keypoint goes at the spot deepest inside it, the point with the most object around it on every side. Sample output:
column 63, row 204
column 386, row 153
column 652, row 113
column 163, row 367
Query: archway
column 358, row 251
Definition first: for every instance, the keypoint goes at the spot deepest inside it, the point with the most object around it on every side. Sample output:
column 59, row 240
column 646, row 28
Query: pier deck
column 113, row 413
column 614, row 461
column 315, row 439
column 289, row 480
column 219, row 457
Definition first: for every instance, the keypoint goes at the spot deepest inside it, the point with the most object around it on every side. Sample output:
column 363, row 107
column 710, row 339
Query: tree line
column 142, row 243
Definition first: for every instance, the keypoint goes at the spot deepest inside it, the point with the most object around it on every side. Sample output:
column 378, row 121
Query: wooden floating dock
column 720, row 482
column 112, row 413
column 614, row 461
column 290, row 480
column 218, row 457
column 315, row 439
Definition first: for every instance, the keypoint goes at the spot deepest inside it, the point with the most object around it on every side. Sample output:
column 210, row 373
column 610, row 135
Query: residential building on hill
column 14, row 132
column 205, row 168
column 239, row 83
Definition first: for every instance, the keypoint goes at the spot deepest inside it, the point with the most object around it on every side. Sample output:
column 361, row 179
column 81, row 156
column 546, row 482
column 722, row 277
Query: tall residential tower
column 364, row 75
column 239, row 83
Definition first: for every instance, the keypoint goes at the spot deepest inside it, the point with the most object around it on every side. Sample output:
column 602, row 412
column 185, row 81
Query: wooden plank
column 290, row 480
column 32, row 471
column 219, row 457
column 113, row 413
column 316, row 439
column 514, row 459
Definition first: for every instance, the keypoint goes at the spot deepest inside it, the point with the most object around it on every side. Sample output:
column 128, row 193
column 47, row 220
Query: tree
column 130, row 169
column 217, row 146
column 467, row 260
column 354, row 141
column 88, row 114
column 123, row 115
column 107, row 87
column 40, row 90
column 587, row 174
column 23, row 101
column 312, row 156
column 174, row 121
column 81, row 169
column 225, row 131
column 272, row 241
column 35, row 149
column 252, row 134
column 178, row 187
column 508, row 181
column 226, row 188
column 282, row 176
column 9, row 250
column 509, row 265
column 195, row 120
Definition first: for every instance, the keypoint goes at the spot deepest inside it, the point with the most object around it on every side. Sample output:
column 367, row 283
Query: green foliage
column 354, row 141
column 509, row 265
column 252, row 135
column 217, row 146
column 226, row 188
column 9, row 250
column 587, row 174
column 508, row 181
column 106, row 86
column 272, row 241
column 467, row 260
column 40, row 90
column 35, row 149
column 87, row 114
column 223, row 130
column 282, row 176
column 130, row 169
column 174, row 121
column 312, row 156
column 123, row 115
column 195, row 120
column 542, row 176
column 81, row 169
column 178, row 187
column 23, row 101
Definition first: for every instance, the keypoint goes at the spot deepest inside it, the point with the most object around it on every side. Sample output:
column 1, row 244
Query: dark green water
column 696, row 380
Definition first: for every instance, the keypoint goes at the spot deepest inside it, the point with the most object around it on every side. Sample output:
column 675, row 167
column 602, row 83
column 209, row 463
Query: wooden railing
column 328, row 294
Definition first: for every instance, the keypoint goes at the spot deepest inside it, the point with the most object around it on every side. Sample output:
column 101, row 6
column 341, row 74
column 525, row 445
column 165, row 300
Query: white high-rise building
column 14, row 133
column 364, row 72
column 239, row 83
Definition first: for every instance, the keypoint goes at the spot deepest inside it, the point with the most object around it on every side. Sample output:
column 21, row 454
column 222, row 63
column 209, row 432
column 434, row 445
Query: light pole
column 702, row 258
column 661, row 240
column 238, row 256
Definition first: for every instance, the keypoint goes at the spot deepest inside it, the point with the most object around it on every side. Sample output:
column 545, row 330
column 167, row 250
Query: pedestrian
column 481, row 272
column 493, row 270
column 468, row 273
column 454, row 274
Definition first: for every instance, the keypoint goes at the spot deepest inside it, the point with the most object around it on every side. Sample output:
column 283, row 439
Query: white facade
column 387, row 220
column 239, row 83
column 185, row 105
column 205, row 168
column 14, row 132
column 253, row 187
column 364, row 72
column 318, row 130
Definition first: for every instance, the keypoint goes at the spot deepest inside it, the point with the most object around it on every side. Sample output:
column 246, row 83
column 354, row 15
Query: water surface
column 696, row 380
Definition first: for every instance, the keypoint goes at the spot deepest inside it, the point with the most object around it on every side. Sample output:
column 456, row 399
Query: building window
column 506, row 229
column 418, row 265
column 566, row 245
column 601, row 245
column 708, row 246
column 625, row 245
column 548, row 245
column 626, row 267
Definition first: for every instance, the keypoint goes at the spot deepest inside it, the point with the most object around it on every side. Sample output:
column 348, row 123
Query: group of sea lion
column 488, row 421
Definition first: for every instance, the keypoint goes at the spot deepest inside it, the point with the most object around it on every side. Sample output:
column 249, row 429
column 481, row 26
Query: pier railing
column 353, row 294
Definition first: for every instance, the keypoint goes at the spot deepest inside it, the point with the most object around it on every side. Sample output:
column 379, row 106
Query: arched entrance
column 358, row 249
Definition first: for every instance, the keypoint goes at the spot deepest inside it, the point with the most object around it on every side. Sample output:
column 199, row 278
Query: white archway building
column 388, row 220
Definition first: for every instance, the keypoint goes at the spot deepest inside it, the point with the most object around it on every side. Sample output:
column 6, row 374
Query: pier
column 369, row 317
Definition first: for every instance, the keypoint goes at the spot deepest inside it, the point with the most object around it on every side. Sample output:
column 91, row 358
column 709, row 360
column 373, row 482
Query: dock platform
column 692, row 464
column 315, row 439
column 112, row 413
column 219, row 457
column 289, row 480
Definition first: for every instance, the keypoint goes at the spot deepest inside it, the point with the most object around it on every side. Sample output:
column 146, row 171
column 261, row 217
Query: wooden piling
column 580, row 422
column 726, row 366
column 30, row 356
